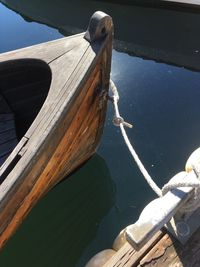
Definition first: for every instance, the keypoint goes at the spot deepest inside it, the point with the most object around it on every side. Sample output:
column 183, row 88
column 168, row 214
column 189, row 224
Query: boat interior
column 24, row 85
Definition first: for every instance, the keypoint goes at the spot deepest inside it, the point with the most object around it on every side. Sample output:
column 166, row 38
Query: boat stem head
column 99, row 26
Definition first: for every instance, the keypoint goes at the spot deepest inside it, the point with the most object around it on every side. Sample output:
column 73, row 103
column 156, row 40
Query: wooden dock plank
column 128, row 257
column 169, row 252
column 161, row 251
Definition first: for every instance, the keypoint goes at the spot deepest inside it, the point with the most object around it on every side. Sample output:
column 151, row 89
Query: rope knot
column 118, row 120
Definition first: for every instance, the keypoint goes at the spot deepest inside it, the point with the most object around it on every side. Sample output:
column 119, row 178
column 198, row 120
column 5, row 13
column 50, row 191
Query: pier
column 167, row 231
column 162, row 251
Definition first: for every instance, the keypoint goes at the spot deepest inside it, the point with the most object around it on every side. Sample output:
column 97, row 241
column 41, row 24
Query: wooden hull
column 67, row 129
column 72, row 205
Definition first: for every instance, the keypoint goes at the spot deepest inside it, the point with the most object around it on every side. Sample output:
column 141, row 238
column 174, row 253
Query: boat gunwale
column 15, row 51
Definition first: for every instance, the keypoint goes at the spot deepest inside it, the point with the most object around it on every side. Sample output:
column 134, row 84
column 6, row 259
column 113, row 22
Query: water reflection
column 161, row 34
column 16, row 33
column 60, row 226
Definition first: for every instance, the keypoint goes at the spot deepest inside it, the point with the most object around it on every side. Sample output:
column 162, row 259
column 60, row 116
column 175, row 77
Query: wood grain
column 168, row 252
column 128, row 257
column 65, row 133
column 161, row 251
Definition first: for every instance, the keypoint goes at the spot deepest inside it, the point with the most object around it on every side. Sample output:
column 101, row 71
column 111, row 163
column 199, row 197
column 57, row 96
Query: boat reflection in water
column 162, row 33
column 78, row 203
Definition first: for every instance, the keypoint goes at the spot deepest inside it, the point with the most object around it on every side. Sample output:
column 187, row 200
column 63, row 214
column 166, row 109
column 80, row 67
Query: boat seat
column 8, row 136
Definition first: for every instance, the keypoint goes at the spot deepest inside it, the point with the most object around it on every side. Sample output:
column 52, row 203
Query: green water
column 83, row 214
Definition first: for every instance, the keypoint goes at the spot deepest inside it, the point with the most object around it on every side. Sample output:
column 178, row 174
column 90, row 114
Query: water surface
column 83, row 214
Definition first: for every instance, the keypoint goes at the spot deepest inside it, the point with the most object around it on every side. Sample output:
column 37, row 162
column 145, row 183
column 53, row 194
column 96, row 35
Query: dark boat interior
column 24, row 85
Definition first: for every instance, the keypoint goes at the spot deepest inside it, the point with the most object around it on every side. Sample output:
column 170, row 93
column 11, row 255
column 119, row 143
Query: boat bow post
column 99, row 26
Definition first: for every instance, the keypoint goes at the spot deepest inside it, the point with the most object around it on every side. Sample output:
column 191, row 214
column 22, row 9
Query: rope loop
column 192, row 181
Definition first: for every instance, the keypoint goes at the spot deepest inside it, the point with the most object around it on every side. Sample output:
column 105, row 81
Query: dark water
column 83, row 214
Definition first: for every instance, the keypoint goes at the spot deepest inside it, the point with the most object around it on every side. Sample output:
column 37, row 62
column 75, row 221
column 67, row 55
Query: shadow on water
column 61, row 225
column 162, row 34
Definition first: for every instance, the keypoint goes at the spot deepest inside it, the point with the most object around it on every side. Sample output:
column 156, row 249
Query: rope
column 194, row 201
column 121, row 124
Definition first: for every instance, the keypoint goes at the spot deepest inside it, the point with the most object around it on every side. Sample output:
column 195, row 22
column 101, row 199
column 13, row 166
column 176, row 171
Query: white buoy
column 101, row 258
column 194, row 160
column 120, row 240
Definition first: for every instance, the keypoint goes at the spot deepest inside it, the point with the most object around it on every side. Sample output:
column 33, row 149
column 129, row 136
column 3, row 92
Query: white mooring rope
column 194, row 202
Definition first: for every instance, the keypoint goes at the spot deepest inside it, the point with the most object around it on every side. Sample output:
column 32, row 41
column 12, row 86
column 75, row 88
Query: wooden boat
column 53, row 99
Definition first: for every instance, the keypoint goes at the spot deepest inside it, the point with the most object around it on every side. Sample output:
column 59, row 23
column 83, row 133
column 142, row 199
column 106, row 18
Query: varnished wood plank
column 73, row 137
